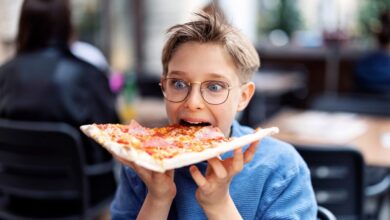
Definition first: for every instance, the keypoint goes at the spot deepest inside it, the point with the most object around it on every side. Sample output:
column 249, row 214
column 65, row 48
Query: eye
column 216, row 86
column 178, row 84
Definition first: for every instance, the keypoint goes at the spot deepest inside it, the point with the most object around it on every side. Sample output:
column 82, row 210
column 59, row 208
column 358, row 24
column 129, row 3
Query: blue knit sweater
column 274, row 185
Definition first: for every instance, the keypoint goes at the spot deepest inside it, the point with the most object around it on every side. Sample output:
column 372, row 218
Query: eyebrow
column 212, row 75
column 176, row 73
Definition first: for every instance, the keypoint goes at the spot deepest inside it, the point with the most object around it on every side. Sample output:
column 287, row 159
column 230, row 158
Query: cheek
column 227, row 111
column 171, row 109
column 224, row 116
column 235, row 100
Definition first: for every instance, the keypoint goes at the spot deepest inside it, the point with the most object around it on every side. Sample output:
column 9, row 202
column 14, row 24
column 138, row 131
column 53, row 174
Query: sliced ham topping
column 164, row 142
column 209, row 132
column 156, row 142
column 138, row 130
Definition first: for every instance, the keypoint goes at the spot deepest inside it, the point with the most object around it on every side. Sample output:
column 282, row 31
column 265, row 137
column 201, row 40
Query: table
column 373, row 142
column 272, row 85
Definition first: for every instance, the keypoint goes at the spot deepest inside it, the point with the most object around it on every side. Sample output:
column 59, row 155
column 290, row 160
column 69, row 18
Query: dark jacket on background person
column 52, row 85
column 44, row 82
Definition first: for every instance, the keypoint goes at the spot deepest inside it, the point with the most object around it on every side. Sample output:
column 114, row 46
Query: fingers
column 199, row 179
column 250, row 152
column 159, row 177
column 170, row 173
column 237, row 162
column 123, row 161
column 142, row 172
column 218, row 167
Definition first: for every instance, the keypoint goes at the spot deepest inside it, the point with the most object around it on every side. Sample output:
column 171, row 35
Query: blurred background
column 308, row 48
column 324, row 37
column 320, row 40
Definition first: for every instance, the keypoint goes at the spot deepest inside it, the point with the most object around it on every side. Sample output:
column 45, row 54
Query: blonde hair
column 213, row 28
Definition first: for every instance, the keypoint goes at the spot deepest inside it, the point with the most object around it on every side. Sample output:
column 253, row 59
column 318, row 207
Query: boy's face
column 207, row 63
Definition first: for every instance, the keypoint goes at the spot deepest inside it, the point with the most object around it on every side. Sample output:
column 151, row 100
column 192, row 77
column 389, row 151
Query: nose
column 194, row 100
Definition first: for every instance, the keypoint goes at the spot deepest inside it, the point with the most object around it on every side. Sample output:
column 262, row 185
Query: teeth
column 193, row 122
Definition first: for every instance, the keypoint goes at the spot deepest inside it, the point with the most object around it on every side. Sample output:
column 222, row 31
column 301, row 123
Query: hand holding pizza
column 153, row 153
column 160, row 185
column 161, row 190
column 213, row 192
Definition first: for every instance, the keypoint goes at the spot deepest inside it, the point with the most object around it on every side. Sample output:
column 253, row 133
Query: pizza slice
column 164, row 148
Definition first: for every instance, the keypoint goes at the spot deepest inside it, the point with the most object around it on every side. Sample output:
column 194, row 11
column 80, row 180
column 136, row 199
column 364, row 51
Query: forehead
column 202, row 61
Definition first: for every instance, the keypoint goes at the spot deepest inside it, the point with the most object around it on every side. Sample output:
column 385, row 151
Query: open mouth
column 186, row 123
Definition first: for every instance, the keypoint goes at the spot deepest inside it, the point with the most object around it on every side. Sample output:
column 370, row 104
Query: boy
column 207, row 66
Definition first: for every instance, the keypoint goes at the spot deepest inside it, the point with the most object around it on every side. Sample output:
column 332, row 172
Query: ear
column 248, row 90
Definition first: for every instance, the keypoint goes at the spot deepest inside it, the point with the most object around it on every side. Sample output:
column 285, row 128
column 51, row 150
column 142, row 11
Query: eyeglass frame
column 189, row 84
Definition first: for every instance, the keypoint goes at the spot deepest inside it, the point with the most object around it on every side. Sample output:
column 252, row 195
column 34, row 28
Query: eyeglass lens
column 213, row 92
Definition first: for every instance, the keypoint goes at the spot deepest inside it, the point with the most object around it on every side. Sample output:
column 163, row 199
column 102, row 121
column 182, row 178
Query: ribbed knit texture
column 274, row 185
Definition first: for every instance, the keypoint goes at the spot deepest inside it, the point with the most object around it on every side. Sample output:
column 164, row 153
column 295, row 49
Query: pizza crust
column 145, row 160
column 139, row 157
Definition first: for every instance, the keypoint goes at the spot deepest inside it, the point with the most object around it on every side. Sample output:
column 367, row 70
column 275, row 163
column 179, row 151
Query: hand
column 161, row 186
column 213, row 188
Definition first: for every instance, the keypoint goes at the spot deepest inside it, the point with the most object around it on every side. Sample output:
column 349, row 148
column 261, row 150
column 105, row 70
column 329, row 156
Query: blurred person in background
column 46, row 82
column 91, row 54
column 373, row 71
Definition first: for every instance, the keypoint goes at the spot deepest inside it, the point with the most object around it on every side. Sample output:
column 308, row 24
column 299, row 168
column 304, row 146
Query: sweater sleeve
column 129, row 196
column 279, row 179
column 289, row 196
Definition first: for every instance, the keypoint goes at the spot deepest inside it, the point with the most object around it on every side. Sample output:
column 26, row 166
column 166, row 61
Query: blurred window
column 310, row 23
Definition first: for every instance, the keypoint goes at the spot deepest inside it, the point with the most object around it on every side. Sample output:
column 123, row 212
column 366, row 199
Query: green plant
column 284, row 16
column 369, row 23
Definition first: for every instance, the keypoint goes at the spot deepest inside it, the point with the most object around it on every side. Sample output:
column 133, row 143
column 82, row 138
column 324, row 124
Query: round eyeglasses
column 213, row 92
